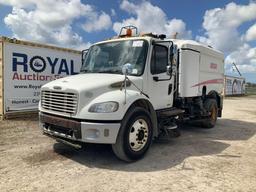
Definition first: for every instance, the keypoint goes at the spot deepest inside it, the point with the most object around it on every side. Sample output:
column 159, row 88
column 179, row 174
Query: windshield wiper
column 110, row 71
column 84, row 71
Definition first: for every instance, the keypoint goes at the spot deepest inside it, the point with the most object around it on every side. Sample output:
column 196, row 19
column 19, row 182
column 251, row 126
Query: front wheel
column 135, row 135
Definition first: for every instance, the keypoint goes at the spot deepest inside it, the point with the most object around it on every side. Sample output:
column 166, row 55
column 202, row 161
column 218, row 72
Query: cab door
column 160, row 83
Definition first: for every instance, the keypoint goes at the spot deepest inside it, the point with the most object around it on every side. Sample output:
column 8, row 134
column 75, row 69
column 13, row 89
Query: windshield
column 110, row 57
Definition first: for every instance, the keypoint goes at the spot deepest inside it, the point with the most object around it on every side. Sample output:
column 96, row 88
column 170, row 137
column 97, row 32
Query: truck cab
column 133, row 89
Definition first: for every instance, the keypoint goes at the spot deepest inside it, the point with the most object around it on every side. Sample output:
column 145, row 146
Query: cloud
column 17, row 3
column 113, row 12
column 221, row 27
column 52, row 21
column 251, row 33
column 150, row 18
column 244, row 55
column 98, row 22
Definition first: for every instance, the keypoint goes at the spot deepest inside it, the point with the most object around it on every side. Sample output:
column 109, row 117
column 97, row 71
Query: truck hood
column 89, row 82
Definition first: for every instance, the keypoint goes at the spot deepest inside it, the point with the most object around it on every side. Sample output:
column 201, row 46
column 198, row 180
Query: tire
column 135, row 135
column 211, row 107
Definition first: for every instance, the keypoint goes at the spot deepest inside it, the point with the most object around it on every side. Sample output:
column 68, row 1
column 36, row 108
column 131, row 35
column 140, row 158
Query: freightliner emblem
column 57, row 87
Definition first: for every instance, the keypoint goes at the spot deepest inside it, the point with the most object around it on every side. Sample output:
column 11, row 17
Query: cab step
column 170, row 112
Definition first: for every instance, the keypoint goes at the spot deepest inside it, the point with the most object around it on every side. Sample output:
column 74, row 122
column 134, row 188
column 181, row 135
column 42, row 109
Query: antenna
column 237, row 69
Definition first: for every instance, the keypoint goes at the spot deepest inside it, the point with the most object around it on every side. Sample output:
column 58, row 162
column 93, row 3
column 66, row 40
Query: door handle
column 156, row 78
column 169, row 89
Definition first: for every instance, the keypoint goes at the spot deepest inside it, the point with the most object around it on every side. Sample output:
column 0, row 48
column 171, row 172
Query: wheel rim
column 138, row 135
column 213, row 114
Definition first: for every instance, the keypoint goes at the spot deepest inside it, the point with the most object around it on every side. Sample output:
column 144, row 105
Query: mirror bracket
column 169, row 70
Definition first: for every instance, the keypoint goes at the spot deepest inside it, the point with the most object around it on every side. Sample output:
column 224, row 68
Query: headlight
column 106, row 107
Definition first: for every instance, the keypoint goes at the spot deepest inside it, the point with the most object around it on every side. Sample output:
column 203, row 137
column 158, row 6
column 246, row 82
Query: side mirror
column 127, row 69
column 173, row 53
column 174, row 69
column 84, row 53
column 173, row 60
column 169, row 70
column 174, row 49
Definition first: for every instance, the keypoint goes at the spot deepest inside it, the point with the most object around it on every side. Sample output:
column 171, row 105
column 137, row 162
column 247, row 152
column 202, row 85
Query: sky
column 229, row 26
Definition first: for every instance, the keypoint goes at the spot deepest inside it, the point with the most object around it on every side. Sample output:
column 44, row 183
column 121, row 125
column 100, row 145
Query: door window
column 159, row 59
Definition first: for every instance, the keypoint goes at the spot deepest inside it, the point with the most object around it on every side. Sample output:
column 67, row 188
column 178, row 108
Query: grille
column 63, row 102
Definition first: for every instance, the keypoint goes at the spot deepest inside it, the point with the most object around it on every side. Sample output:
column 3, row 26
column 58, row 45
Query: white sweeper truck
column 133, row 89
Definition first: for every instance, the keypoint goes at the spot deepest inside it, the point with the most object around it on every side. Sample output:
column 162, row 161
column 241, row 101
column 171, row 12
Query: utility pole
column 237, row 69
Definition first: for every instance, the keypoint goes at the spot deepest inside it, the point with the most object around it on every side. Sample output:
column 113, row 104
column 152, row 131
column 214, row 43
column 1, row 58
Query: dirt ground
column 218, row 159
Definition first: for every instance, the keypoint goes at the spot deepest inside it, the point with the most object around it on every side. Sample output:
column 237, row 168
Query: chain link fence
column 250, row 89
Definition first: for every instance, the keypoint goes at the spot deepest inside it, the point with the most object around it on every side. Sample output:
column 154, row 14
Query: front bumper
column 88, row 132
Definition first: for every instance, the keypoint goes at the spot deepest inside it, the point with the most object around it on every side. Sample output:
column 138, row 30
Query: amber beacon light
column 128, row 31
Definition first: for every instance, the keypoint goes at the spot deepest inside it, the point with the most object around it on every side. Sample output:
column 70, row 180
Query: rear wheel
column 211, row 107
column 135, row 135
